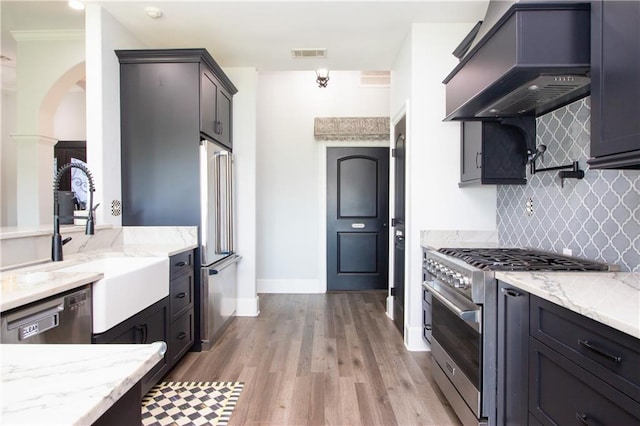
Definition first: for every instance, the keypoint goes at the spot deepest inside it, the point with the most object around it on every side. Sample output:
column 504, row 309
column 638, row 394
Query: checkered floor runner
column 190, row 403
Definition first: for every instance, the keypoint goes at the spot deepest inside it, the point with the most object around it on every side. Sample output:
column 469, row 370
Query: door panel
column 357, row 187
column 357, row 252
column 357, row 218
column 398, row 231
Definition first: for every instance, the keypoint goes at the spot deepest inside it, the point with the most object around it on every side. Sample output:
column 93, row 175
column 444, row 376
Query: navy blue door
column 357, row 218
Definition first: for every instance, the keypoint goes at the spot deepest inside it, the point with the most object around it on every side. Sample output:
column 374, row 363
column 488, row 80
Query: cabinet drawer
column 180, row 336
column 181, row 295
column 609, row 354
column 181, row 263
column 563, row 393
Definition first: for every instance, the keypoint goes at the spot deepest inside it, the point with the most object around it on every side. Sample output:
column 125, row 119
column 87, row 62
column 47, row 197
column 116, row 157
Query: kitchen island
column 72, row 384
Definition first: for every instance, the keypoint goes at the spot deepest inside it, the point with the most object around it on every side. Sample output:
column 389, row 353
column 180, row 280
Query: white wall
column 104, row 34
column 434, row 200
column 244, row 152
column 70, row 122
column 289, row 173
column 8, row 155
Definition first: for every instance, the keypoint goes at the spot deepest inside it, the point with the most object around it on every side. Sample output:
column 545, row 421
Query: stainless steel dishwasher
column 63, row 318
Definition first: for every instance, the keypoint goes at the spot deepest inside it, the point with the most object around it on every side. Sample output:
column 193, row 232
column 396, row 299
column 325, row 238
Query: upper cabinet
column 492, row 153
column 215, row 109
column 167, row 76
column 615, row 85
column 170, row 99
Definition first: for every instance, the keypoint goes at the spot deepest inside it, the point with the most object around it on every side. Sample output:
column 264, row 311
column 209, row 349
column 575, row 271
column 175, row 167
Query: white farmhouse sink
column 129, row 285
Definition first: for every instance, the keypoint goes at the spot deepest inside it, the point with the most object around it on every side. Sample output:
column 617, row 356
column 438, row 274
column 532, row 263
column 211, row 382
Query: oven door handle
column 467, row 316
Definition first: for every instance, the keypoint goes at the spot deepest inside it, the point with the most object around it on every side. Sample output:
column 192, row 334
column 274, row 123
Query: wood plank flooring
column 321, row 359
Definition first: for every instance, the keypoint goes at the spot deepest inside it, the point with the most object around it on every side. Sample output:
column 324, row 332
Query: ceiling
column 358, row 35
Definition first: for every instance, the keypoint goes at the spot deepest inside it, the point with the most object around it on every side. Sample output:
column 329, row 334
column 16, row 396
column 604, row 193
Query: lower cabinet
column 150, row 325
column 563, row 393
column 170, row 320
column 558, row 367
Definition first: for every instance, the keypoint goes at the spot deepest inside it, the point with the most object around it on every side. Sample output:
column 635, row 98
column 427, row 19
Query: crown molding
column 47, row 35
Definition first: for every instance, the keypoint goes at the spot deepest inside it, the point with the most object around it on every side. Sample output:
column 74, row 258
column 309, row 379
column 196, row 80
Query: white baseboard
column 248, row 307
column 289, row 286
column 413, row 340
column 390, row 306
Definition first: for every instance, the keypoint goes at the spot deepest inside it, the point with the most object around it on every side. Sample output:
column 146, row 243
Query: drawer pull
column 181, row 264
column 613, row 358
column 511, row 292
column 427, row 327
column 583, row 418
column 181, row 295
column 182, row 335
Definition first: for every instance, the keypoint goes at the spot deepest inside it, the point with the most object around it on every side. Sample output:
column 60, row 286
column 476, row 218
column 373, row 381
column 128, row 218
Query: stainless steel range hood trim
column 529, row 41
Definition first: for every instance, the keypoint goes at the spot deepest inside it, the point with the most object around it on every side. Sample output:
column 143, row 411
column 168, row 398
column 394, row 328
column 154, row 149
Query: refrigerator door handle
column 224, row 202
column 221, row 266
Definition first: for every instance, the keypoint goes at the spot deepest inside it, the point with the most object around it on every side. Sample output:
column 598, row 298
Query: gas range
column 460, row 311
column 466, row 269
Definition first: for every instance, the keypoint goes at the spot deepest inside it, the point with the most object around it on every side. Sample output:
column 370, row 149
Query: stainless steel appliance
column 460, row 318
column 218, row 286
column 64, row 318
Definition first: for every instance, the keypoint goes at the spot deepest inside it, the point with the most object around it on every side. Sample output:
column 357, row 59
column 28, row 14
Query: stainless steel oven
column 460, row 319
column 463, row 366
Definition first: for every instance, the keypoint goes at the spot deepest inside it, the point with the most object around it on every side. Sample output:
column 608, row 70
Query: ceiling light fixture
column 76, row 4
column 322, row 77
column 153, row 12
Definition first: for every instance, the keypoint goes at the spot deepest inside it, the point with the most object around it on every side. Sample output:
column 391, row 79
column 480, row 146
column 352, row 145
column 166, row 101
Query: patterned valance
column 351, row 128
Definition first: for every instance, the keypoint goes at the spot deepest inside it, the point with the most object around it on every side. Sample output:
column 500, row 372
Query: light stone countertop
column 456, row 238
column 612, row 298
column 69, row 384
column 25, row 285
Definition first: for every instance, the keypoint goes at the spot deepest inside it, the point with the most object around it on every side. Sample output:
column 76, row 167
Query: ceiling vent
column 308, row 53
column 375, row 78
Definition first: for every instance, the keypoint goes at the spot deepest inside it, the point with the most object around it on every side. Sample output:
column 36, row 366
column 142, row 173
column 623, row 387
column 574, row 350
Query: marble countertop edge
column 611, row 298
column 95, row 377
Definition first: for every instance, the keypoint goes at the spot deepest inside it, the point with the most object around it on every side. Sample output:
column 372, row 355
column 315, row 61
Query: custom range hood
column 528, row 58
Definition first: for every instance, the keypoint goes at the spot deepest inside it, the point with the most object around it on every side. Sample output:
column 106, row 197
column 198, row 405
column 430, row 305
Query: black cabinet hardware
column 586, row 344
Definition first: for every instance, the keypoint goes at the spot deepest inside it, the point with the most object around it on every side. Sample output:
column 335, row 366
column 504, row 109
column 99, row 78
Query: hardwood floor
column 321, row 359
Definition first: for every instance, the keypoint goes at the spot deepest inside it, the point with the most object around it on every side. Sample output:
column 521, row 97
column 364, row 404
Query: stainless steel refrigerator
column 218, row 278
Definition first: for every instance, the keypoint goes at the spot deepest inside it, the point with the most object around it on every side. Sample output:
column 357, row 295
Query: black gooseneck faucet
column 56, row 241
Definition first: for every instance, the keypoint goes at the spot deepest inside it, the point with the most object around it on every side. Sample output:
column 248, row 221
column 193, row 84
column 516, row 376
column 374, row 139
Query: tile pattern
column 190, row 403
column 598, row 217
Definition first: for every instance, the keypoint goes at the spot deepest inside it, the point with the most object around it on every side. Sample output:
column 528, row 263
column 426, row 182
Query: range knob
column 457, row 280
column 465, row 283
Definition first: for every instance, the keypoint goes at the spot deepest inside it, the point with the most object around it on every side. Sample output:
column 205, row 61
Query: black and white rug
column 190, row 403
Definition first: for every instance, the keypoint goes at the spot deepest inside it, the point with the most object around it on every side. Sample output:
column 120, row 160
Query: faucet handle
column 95, row 207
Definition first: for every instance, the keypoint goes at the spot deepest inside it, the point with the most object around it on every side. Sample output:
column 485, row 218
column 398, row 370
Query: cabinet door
column 209, row 105
column 224, row 118
column 513, row 355
column 470, row 150
column 615, row 85
column 180, row 337
column 563, row 393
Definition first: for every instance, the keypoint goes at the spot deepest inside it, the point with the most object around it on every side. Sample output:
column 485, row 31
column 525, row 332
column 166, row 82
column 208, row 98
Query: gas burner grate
column 516, row 259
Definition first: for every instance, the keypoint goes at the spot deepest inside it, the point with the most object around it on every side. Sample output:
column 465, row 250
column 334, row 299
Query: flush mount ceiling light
column 76, row 4
column 153, row 12
column 322, row 77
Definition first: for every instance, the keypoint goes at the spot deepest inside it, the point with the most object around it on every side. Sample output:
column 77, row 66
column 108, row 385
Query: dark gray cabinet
column 169, row 100
column 513, row 355
column 147, row 326
column 215, row 110
column 181, row 312
column 555, row 366
column 491, row 153
column 580, row 371
column 615, row 85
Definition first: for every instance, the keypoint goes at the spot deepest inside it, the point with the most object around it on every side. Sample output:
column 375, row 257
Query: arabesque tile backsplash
column 597, row 218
